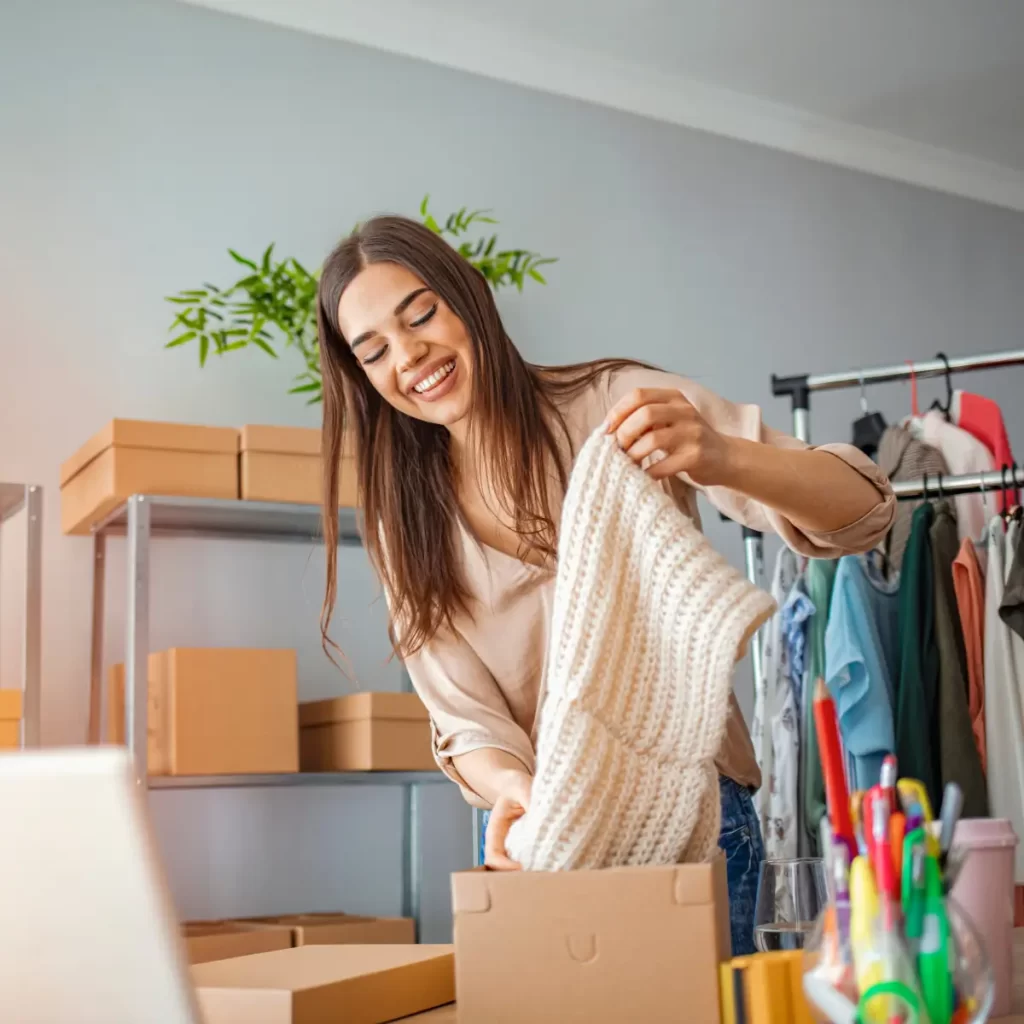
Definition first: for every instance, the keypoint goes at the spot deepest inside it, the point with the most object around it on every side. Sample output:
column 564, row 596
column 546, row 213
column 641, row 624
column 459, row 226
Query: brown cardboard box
column 340, row 929
column 283, row 464
column 10, row 719
column 625, row 944
column 442, row 1015
column 142, row 457
column 316, row 984
column 217, row 711
column 365, row 732
column 222, row 940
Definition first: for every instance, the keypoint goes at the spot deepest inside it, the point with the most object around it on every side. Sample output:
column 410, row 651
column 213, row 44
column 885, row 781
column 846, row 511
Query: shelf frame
column 139, row 520
column 28, row 499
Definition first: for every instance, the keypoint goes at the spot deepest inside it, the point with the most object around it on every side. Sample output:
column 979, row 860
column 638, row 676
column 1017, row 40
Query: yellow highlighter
column 868, row 963
column 913, row 791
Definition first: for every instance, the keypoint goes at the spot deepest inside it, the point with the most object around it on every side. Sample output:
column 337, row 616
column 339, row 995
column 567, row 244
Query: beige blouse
column 481, row 681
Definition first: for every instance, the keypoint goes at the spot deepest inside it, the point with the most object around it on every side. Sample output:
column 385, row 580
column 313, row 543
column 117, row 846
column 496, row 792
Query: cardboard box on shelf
column 365, row 732
column 10, row 719
column 283, row 464
column 312, row 984
column 222, row 940
column 217, row 711
column 621, row 944
column 144, row 457
column 339, row 929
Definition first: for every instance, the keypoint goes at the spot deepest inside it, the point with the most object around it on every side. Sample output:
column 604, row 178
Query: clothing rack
column 799, row 387
column 939, row 486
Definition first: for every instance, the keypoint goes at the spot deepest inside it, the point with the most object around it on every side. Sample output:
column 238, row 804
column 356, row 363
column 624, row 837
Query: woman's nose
column 411, row 352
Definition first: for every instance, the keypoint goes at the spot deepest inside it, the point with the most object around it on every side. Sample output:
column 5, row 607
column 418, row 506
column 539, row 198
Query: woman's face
column 415, row 351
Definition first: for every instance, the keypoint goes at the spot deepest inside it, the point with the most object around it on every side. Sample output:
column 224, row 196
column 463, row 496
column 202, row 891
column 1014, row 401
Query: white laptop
column 88, row 934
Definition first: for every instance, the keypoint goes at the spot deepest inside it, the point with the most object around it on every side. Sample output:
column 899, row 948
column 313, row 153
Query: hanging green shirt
column 916, row 697
column 818, row 579
column 959, row 760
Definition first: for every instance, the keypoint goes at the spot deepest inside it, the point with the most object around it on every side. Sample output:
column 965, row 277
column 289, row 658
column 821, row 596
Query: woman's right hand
column 512, row 803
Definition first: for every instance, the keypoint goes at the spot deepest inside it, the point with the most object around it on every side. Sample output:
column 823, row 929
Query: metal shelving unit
column 27, row 498
column 139, row 519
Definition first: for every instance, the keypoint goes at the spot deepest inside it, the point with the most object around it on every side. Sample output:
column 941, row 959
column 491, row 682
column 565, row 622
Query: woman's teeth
column 434, row 379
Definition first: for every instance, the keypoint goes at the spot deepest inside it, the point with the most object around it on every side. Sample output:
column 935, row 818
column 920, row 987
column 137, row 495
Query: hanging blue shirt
column 862, row 659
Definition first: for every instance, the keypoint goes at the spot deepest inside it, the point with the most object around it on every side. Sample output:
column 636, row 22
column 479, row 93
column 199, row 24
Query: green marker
column 933, row 955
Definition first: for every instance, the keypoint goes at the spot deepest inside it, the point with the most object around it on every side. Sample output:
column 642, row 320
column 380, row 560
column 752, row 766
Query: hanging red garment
column 982, row 418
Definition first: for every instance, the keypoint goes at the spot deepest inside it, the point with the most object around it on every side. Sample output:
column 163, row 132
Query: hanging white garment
column 963, row 453
column 775, row 729
column 1004, row 674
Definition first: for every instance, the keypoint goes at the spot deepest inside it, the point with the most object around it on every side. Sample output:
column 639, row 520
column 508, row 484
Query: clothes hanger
column 945, row 409
column 868, row 430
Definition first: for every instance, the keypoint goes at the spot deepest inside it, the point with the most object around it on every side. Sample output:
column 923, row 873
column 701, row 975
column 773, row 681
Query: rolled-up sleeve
column 745, row 421
column 467, row 709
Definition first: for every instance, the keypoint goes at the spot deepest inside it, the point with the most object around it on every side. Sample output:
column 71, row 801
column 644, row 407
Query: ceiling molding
column 412, row 29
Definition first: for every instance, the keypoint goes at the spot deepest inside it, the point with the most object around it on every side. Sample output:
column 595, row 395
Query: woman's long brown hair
column 405, row 478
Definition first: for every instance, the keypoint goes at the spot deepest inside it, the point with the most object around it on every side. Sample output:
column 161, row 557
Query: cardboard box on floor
column 315, row 984
column 222, row 940
column 216, row 711
column 624, row 944
column 365, row 732
column 10, row 719
column 338, row 929
column 283, row 464
column 143, row 457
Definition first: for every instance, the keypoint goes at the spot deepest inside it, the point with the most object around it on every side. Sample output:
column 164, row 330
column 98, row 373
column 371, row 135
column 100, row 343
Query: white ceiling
column 925, row 91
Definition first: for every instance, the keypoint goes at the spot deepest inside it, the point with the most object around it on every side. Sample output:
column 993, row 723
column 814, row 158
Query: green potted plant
column 274, row 304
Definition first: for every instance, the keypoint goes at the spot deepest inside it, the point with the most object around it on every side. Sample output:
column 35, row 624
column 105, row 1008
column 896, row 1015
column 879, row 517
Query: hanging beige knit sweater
column 648, row 622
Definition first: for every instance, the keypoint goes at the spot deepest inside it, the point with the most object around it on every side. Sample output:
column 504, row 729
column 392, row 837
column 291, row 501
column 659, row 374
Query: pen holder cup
column 831, row 989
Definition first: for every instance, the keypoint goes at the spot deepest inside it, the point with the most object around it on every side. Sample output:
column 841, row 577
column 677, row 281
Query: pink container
column 985, row 891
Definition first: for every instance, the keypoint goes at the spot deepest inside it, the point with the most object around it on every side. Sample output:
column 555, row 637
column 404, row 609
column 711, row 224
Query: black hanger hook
column 947, row 408
column 924, row 485
column 942, row 493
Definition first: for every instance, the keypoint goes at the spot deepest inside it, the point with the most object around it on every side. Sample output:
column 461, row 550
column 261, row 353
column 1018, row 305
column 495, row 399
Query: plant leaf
column 181, row 300
column 204, row 349
column 238, row 258
column 533, row 272
column 180, row 339
column 300, row 388
column 263, row 345
column 265, row 263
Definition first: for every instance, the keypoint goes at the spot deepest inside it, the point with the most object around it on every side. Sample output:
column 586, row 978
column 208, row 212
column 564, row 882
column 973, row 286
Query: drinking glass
column 790, row 896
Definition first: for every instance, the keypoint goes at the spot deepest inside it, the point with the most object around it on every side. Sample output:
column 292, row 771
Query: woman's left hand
column 650, row 420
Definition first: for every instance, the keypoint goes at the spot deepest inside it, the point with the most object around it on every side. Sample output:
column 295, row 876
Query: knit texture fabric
column 648, row 622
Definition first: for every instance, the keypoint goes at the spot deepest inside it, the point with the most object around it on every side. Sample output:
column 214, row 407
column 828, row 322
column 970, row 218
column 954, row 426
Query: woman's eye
column 426, row 316
column 379, row 354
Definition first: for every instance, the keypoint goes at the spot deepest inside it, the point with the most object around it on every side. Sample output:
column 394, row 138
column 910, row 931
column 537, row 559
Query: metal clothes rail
column 939, row 486
column 15, row 498
column 139, row 518
column 800, row 386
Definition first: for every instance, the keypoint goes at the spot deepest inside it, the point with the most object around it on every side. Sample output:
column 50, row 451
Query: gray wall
column 139, row 139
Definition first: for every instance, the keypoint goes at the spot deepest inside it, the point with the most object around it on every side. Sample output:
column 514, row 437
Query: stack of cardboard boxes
column 256, row 463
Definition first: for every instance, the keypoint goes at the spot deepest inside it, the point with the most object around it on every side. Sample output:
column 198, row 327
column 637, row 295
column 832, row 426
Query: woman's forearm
column 813, row 489
column 490, row 772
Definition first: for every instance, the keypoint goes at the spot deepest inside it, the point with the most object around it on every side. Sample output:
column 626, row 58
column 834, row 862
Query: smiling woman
column 464, row 451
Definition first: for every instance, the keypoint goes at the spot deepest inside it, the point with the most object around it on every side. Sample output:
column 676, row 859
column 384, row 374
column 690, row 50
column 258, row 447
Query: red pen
column 881, row 849
column 887, row 782
column 831, row 752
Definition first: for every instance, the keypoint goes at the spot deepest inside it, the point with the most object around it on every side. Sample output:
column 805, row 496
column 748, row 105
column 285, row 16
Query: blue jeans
column 740, row 841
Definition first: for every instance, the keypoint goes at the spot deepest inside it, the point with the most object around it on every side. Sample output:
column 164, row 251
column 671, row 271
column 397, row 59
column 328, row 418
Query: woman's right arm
column 477, row 742
column 504, row 781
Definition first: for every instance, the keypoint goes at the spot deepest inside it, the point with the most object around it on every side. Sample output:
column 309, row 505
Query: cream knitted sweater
column 648, row 622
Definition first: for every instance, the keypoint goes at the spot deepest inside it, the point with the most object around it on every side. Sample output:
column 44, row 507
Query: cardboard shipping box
column 316, row 984
column 10, row 719
column 222, row 940
column 283, row 464
column 366, row 732
column 624, row 944
column 217, row 711
column 339, row 929
column 143, row 457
